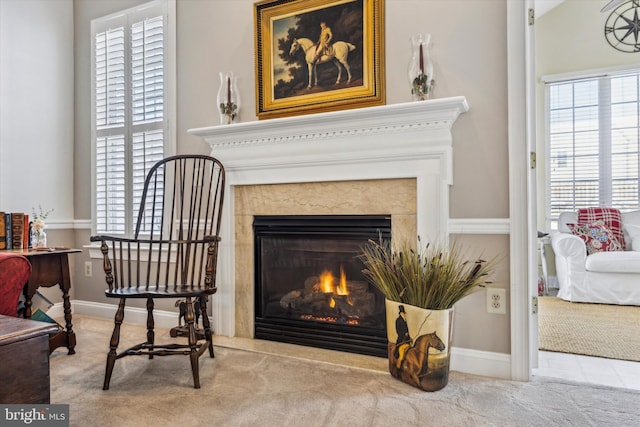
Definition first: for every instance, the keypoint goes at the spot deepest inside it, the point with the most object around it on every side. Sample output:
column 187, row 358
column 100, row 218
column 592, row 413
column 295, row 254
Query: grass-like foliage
column 434, row 277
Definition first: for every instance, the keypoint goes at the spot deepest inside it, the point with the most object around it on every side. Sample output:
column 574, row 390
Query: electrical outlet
column 88, row 270
column 496, row 301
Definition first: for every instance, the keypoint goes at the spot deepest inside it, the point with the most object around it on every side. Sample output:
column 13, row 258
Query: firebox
column 309, row 285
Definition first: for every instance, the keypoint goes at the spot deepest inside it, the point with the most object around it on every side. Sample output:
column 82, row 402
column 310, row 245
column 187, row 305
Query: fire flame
column 327, row 282
column 342, row 287
column 327, row 285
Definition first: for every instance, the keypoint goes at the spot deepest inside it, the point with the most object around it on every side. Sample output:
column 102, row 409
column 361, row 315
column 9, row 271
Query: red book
column 3, row 232
column 25, row 232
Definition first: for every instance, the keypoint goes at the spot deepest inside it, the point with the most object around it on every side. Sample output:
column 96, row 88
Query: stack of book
column 15, row 230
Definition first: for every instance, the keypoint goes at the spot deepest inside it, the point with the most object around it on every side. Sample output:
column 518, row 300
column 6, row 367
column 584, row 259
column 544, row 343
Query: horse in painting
column 415, row 363
column 340, row 54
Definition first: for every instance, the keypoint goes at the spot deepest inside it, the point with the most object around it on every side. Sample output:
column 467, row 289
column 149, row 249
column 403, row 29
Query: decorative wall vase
column 228, row 98
column 419, row 345
column 421, row 67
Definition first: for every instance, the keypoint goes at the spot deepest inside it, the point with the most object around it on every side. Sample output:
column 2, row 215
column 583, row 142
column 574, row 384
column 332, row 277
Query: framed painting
column 318, row 55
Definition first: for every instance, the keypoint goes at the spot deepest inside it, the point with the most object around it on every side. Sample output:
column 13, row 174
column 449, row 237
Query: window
column 133, row 76
column 593, row 137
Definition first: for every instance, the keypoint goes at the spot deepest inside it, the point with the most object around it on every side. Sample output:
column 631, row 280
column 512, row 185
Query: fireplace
column 309, row 286
column 287, row 166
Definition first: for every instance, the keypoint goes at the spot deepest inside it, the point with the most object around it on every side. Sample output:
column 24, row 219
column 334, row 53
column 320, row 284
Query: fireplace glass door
column 310, row 289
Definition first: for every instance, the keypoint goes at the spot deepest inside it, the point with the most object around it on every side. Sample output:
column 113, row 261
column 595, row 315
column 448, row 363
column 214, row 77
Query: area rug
column 246, row 388
column 601, row 330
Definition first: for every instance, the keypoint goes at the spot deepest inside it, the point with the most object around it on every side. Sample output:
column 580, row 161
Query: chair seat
column 159, row 292
column 15, row 271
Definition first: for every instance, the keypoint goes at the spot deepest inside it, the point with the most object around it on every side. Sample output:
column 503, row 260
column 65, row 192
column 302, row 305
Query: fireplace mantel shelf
column 397, row 132
column 435, row 114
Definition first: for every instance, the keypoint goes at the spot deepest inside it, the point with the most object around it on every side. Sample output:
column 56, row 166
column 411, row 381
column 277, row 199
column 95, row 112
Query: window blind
column 593, row 139
column 130, row 125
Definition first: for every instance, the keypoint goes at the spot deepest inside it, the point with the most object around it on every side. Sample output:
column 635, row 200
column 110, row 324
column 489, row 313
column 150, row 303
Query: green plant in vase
column 38, row 235
column 421, row 287
column 434, row 277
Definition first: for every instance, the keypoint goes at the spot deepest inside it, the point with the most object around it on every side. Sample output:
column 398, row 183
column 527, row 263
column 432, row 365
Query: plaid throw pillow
column 611, row 218
column 597, row 237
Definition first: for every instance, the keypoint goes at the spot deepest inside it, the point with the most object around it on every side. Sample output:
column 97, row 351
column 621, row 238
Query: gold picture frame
column 349, row 71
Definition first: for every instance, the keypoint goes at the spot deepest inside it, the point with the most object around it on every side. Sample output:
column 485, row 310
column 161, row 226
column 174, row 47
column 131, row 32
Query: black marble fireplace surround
column 309, row 286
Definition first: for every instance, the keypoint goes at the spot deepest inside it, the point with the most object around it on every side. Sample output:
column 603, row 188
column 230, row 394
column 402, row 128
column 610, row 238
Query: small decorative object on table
column 228, row 98
column 38, row 235
column 421, row 67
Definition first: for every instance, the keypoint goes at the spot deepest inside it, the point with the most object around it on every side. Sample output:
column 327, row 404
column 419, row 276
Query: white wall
column 36, row 107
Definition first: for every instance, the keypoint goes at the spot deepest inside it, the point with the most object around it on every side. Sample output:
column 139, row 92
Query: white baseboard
column 485, row 363
column 489, row 364
column 135, row 315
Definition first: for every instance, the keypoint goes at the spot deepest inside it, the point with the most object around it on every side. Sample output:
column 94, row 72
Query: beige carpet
column 245, row 388
column 602, row 330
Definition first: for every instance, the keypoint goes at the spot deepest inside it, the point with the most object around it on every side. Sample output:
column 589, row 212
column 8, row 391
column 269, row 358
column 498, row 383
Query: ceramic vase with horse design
column 419, row 345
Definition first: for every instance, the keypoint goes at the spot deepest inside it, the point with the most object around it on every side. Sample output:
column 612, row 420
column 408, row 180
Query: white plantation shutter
column 593, row 138
column 131, row 76
column 147, row 54
column 147, row 150
column 110, row 184
column 625, row 140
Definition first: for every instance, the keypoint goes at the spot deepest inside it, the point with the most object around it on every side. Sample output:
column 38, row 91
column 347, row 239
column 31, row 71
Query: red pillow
column 611, row 218
column 597, row 237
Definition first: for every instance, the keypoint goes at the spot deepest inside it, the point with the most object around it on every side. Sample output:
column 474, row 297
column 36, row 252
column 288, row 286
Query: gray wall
column 470, row 58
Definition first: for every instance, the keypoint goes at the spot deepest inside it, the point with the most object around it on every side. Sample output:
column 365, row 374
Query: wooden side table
column 24, row 360
column 50, row 267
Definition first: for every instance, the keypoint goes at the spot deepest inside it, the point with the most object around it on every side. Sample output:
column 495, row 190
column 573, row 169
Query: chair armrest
column 103, row 237
column 567, row 245
column 571, row 256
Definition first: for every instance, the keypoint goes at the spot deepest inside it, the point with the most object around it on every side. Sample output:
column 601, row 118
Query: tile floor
column 594, row 370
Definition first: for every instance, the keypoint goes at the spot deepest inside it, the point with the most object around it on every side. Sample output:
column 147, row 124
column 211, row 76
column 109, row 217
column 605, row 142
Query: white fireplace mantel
column 397, row 132
column 410, row 140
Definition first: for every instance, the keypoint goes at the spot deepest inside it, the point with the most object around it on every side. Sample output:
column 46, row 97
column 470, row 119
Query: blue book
column 9, row 234
column 3, row 232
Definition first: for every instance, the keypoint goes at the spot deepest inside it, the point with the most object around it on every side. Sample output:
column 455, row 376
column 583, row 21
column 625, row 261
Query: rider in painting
column 404, row 340
column 324, row 46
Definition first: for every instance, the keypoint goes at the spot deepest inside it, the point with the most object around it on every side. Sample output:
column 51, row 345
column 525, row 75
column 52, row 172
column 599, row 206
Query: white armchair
column 602, row 277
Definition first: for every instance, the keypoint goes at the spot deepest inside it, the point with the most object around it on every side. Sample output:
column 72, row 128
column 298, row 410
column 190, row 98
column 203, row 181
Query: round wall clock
column 622, row 29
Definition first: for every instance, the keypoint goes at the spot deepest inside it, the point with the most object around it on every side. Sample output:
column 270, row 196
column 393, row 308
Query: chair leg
column 208, row 333
column 150, row 325
column 193, row 343
column 113, row 344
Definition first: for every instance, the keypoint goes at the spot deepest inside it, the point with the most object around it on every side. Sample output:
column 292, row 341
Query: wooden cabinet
column 24, row 360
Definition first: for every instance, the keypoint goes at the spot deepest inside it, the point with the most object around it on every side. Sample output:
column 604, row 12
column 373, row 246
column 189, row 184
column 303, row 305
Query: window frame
column 605, row 128
column 168, row 9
